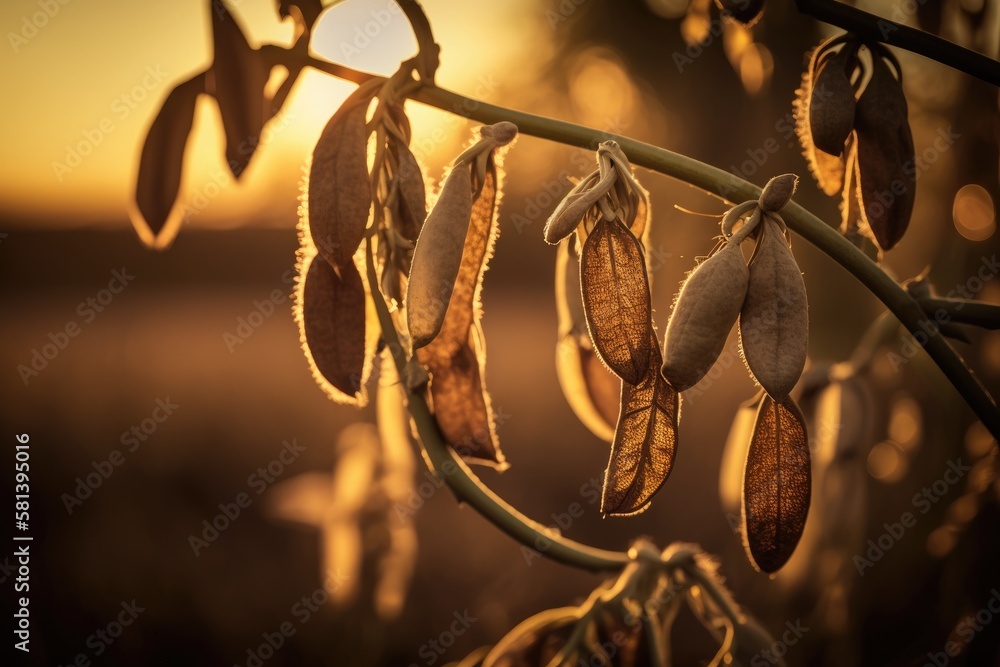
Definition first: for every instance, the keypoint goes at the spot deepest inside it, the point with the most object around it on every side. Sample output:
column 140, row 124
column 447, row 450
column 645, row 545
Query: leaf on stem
column 162, row 162
column 239, row 75
column 776, row 484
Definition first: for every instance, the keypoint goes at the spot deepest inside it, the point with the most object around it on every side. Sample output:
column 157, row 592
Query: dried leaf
column 704, row 313
column 615, row 291
column 438, row 257
column 774, row 320
column 831, row 101
column 642, row 454
column 331, row 313
column 338, row 191
column 747, row 12
column 162, row 162
column 885, row 153
column 776, row 485
column 239, row 75
column 591, row 390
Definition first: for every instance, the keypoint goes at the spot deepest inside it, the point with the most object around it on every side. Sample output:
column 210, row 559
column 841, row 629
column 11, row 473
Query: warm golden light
column 905, row 423
column 886, row 462
column 974, row 213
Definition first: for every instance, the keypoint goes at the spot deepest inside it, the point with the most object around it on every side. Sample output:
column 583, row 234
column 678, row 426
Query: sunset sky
column 84, row 84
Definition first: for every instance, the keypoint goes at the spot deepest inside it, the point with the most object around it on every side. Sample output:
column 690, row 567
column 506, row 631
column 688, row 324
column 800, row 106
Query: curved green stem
column 963, row 311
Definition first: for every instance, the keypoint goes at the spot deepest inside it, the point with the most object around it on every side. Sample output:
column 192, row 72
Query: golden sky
column 82, row 81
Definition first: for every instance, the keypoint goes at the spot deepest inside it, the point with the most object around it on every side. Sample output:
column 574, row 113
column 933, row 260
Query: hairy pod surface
column 777, row 192
column 831, row 101
column 774, row 320
column 705, row 311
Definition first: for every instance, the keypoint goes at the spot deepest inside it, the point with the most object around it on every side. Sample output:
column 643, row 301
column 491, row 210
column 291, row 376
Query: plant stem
column 877, row 29
column 964, row 311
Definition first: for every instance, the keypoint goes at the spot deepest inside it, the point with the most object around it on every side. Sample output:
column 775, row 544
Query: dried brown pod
column 827, row 103
column 438, row 257
column 455, row 355
column 776, row 484
column 238, row 77
column 642, row 454
column 831, row 102
column 162, row 162
column 705, row 310
column 591, row 390
column 774, row 320
column 885, row 154
column 331, row 314
column 462, row 407
column 338, row 192
column 615, row 291
column 456, row 241
column 747, row 12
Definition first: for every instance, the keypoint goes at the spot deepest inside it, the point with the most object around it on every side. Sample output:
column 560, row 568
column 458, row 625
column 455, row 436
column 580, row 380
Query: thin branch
column 962, row 311
column 878, row 29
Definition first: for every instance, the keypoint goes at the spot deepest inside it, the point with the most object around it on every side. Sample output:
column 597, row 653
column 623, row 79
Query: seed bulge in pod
column 774, row 320
column 705, row 310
